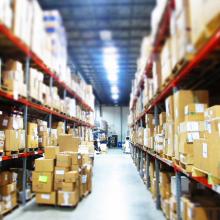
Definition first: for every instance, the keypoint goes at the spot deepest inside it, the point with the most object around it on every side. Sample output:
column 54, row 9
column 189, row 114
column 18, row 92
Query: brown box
column 32, row 128
column 42, row 182
column 71, row 176
column 75, row 167
column 68, row 187
column 46, row 198
column 8, row 189
column 51, row 152
column 68, row 143
column 169, row 108
column 11, row 140
column 68, row 198
column 5, row 178
column 59, row 173
column 201, row 157
column 46, row 165
column 63, row 160
column 75, row 158
column 57, row 185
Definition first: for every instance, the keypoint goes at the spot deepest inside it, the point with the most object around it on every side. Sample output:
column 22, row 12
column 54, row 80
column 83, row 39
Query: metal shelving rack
column 182, row 79
column 17, row 49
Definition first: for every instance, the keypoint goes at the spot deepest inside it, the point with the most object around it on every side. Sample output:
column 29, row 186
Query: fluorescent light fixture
column 105, row 35
column 112, row 78
column 110, row 51
column 115, row 96
column 114, row 89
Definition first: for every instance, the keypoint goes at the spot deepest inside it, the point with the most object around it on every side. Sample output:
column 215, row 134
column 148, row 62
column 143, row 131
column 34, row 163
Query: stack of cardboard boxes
column 64, row 175
column 8, row 190
column 12, row 134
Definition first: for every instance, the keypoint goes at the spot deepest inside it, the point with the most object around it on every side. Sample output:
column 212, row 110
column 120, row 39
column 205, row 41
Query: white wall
column 116, row 123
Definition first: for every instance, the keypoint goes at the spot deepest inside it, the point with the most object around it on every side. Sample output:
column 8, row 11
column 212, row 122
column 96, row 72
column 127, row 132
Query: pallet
column 32, row 149
column 167, row 157
column 7, row 211
column 181, row 64
column 33, row 100
column 11, row 153
column 196, row 172
column 177, row 162
column 186, row 167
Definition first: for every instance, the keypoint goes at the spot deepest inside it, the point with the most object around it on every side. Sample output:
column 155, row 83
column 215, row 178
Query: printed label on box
column 45, row 196
column 60, row 172
column 5, row 122
column 205, row 150
column 186, row 110
column 200, row 108
column 84, row 178
column 43, row 179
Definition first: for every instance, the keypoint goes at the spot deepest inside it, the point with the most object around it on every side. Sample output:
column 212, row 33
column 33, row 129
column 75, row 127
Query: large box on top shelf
column 68, row 143
column 166, row 70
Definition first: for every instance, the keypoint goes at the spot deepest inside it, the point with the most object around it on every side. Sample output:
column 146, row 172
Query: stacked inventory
column 64, row 175
column 175, row 101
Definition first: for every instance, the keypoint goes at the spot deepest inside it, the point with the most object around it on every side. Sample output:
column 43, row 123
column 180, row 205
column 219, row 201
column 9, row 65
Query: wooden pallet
column 177, row 162
column 168, row 157
column 29, row 149
column 196, row 172
column 186, row 167
column 7, row 211
column 11, row 153
column 181, row 64
column 33, row 100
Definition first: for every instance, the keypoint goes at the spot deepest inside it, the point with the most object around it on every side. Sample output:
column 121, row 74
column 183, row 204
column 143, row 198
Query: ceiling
column 127, row 20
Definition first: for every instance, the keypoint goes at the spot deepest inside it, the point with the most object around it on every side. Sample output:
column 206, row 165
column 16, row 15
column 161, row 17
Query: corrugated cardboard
column 8, row 189
column 67, row 198
column 42, row 182
column 46, row 198
column 68, row 143
column 68, row 187
column 63, row 160
column 51, row 152
column 46, row 165
column 71, row 176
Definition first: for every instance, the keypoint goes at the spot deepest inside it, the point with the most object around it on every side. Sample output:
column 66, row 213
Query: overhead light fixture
column 113, row 78
column 115, row 96
column 114, row 89
column 110, row 50
column 105, row 35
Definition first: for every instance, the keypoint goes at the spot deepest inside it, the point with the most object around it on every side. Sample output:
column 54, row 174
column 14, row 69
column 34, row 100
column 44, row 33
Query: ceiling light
column 112, row 78
column 105, row 35
column 110, row 50
column 114, row 90
column 115, row 96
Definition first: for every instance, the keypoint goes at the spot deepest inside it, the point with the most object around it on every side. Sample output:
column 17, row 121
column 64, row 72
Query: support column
column 178, row 194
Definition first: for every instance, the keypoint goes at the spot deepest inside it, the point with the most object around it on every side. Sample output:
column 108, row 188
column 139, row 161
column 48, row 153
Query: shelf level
column 43, row 109
column 24, row 50
column 21, row 155
column 209, row 47
column 177, row 168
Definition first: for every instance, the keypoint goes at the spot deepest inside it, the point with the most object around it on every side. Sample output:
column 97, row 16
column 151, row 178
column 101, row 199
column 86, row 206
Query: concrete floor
column 118, row 194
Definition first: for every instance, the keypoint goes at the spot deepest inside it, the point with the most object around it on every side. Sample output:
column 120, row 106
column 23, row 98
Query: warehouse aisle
column 118, row 193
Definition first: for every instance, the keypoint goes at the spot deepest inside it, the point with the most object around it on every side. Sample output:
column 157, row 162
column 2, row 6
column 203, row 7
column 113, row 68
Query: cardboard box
column 11, row 140
column 46, row 198
column 68, row 143
column 42, row 182
column 60, row 173
column 71, row 176
column 46, row 165
column 67, row 198
column 5, row 178
column 196, row 211
column 51, row 152
column 32, row 128
column 76, row 157
column 201, row 157
column 8, row 189
column 63, row 160
column 68, row 187
column 75, row 167
column 169, row 108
